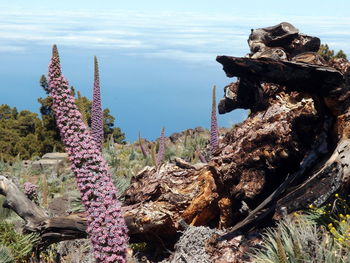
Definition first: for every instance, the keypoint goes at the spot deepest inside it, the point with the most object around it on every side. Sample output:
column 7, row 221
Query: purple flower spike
column 214, row 134
column 30, row 190
column 161, row 150
column 96, row 112
column 201, row 157
column 106, row 225
column 143, row 149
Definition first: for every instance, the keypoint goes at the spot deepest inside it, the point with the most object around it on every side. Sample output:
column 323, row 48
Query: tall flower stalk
column 106, row 225
column 142, row 147
column 201, row 157
column 96, row 112
column 214, row 134
column 161, row 150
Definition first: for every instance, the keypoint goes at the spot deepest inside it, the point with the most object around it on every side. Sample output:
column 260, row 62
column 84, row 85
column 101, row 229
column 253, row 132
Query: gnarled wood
column 294, row 75
column 19, row 203
column 274, row 36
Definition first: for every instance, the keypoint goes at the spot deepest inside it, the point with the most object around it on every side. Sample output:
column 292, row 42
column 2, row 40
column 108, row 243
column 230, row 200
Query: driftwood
column 280, row 41
column 294, row 75
column 51, row 230
column 292, row 151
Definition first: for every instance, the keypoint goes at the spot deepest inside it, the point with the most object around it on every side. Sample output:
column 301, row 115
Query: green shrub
column 4, row 212
column 5, row 255
column 21, row 246
column 300, row 239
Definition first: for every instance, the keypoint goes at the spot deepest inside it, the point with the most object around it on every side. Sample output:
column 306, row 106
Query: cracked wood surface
column 295, row 75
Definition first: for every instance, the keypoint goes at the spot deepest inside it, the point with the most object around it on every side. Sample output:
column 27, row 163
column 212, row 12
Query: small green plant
column 336, row 215
column 76, row 206
column 329, row 54
column 191, row 149
column 4, row 166
column 4, row 212
column 300, row 239
column 5, row 255
column 19, row 245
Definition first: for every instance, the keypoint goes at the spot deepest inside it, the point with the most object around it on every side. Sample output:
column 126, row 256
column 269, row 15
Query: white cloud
column 182, row 36
column 8, row 48
column 182, row 55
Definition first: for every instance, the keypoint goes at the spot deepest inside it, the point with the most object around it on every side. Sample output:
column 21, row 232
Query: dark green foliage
column 44, row 84
column 6, row 112
column 109, row 129
column 18, row 133
column 84, row 105
column 48, row 134
column 329, row 54
column 341, row 54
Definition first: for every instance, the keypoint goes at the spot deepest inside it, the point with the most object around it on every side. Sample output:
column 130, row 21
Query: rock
column 51, row 161
column 47, row 164
column 191, row 246
column 56, row 156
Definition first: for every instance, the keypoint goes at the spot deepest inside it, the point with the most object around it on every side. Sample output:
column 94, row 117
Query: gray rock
column 51, row 161
column 56, row 156
column 47, row 164
column 191, row 246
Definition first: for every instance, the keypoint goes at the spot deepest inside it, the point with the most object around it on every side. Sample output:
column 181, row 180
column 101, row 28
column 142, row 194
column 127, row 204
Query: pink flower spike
column 96, row 187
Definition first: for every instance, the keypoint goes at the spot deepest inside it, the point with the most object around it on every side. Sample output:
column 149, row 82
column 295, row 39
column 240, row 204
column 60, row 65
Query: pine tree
column 328, row 53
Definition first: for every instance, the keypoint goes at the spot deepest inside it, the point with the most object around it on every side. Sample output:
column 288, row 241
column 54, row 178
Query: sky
column 157, row 58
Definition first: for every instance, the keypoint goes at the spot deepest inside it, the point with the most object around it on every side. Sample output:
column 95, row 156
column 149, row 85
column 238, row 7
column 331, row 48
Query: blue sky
column 157, row 58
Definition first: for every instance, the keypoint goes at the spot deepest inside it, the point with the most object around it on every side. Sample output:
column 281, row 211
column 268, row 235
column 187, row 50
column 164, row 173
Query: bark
column 280, row 41
column 19, row 203
column 36, row 219
column 295, row 75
